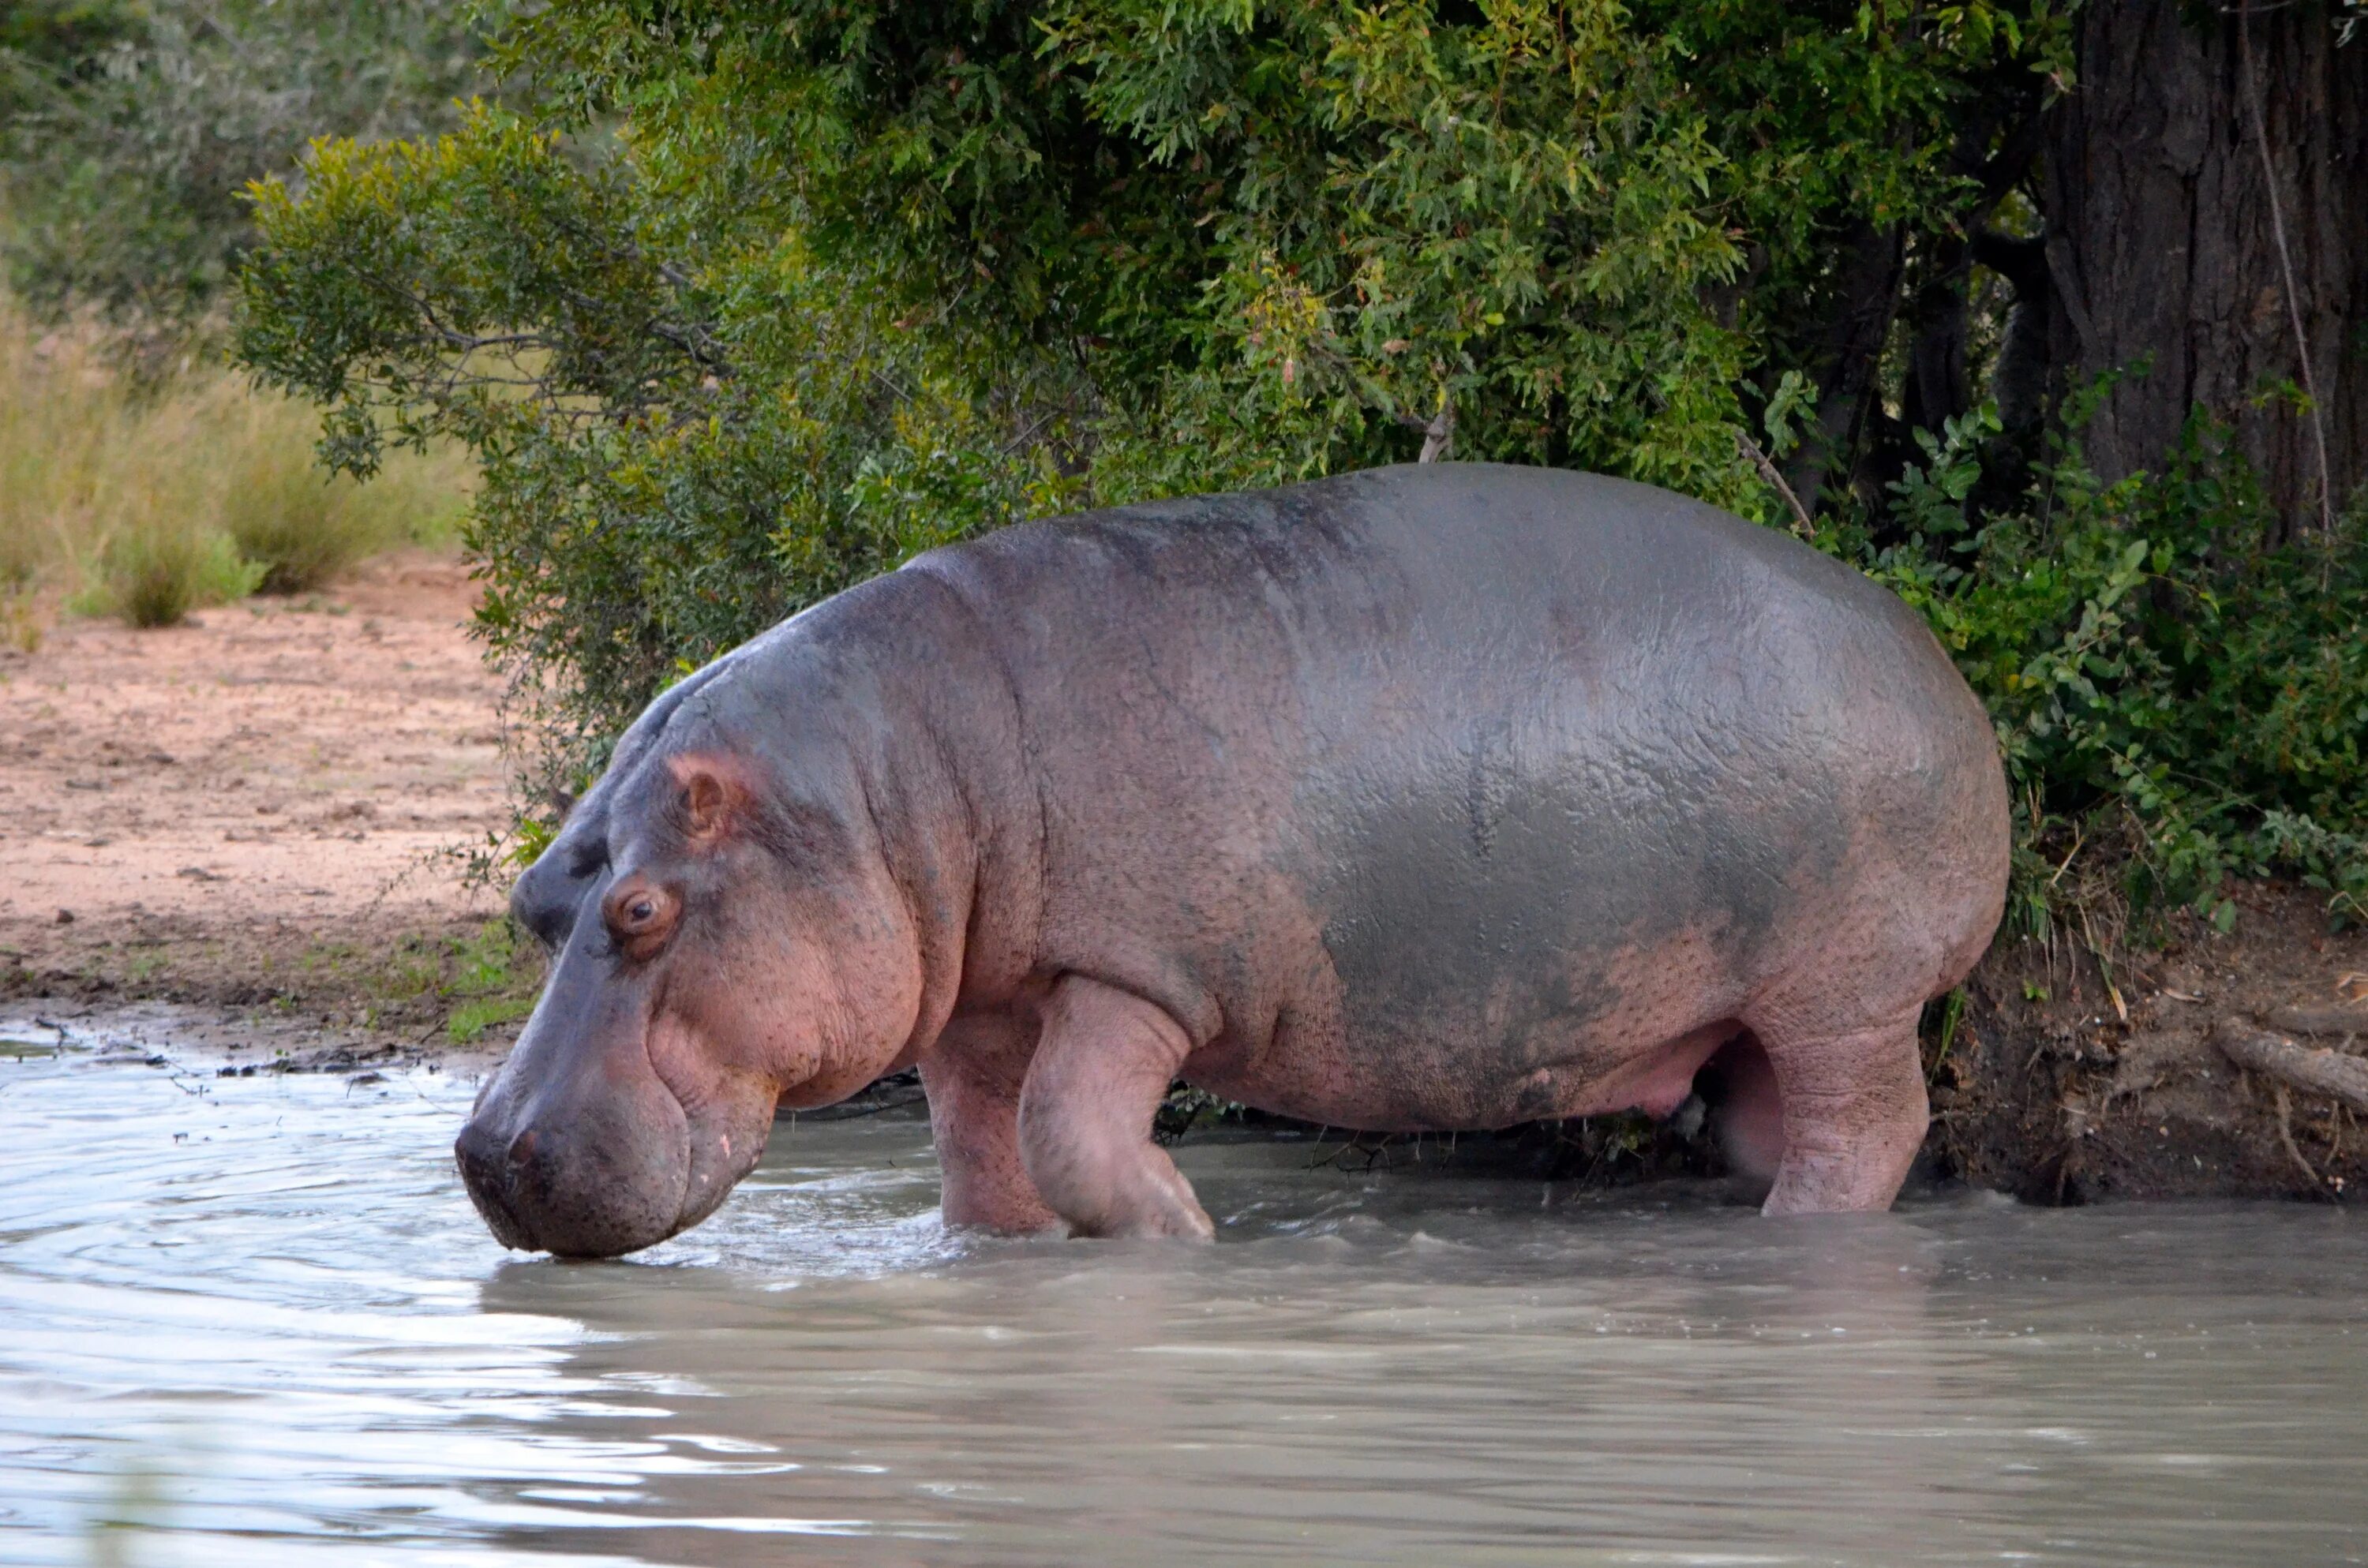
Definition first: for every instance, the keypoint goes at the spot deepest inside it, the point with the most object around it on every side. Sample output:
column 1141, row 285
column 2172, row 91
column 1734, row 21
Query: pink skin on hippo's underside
column 1436, row 798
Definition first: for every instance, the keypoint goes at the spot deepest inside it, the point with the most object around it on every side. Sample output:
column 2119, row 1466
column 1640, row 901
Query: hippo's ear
column 712, row 796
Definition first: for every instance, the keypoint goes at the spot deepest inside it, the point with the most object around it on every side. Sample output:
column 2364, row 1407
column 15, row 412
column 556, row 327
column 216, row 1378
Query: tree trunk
column 2162, row 242
column 1866, row 297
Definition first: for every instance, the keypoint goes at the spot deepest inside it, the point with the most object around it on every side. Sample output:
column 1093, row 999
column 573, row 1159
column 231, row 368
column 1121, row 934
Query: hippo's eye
column 641, row 917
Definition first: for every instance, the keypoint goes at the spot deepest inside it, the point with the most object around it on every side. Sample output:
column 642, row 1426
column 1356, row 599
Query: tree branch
column 1774, row 476
column 2346, row 1021
column 1438, row 432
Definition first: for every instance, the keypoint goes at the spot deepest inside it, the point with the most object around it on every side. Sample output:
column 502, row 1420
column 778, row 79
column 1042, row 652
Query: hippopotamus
column 1436, row 797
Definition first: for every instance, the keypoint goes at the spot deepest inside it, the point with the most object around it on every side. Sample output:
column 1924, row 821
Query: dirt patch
column 262, row 805
column 2050, row 1089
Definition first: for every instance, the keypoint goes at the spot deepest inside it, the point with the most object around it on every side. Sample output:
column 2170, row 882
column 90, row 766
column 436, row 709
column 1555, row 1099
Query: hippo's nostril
column 475, row 1147
column 523, row 1147
column 489, row 1185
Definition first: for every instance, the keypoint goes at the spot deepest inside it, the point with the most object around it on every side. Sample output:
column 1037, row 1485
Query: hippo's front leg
column 973, row 1075
column 1101, row 1068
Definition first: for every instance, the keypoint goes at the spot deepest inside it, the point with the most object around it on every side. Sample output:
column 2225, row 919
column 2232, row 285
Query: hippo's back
column 1433, row 760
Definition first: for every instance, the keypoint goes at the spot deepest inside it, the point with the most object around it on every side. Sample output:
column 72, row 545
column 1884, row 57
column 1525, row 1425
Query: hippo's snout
column 594, row 1182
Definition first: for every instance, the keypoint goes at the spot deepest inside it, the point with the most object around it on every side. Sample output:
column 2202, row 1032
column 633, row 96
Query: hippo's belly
column 1513, row 951
column 1445, row 1086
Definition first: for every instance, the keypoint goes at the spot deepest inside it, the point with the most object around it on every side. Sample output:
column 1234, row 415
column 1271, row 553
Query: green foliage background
column 742, row 302
column 129, row 129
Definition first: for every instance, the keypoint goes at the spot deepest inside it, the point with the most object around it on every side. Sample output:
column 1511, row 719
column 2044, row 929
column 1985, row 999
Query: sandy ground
column 211, row 804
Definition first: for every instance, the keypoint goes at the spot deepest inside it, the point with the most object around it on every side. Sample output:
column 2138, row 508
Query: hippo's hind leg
column 1747, row 1109
column 973, row 1075
column 1851, row 1105
column 1101, row 1070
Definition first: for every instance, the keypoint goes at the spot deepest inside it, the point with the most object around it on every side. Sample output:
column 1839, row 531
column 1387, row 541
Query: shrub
column 2172, row 677
column 847, row 280
column 152, row 572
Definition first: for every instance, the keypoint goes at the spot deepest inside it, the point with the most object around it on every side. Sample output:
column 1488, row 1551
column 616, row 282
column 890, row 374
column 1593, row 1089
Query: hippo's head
column 725, row 937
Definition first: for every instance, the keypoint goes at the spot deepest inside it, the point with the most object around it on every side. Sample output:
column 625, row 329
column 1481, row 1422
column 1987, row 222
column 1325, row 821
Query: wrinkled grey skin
column 1424, row 798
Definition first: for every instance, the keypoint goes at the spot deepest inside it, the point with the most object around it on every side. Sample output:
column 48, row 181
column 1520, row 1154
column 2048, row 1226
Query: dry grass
column 148, row 501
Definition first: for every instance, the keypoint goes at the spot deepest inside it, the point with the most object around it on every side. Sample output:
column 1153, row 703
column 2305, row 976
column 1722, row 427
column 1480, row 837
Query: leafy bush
column 2170, row 676
column 847, row 281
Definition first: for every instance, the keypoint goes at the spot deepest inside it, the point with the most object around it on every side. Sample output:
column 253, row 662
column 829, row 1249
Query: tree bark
column 2161, row 242
column 1866, row 298
column 1939, row 384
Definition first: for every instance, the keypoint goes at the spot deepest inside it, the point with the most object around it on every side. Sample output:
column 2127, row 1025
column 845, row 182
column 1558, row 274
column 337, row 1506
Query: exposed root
column 2317, row 1071
column 2286, row 1134
column 2338, row 1020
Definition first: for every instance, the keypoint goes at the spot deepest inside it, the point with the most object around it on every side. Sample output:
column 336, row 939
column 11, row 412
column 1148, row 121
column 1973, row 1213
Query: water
column 253, row 1321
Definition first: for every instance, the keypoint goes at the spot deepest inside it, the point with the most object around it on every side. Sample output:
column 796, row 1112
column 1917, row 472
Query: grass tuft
column 154, row 574
column 150, row 499
column 302, row 526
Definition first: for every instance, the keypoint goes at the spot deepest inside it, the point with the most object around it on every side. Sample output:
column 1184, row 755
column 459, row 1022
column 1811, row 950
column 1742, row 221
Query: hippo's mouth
column 606, row 1180
column 722, row 1135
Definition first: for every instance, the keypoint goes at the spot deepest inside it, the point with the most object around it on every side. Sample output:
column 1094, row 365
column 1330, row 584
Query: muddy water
column 253, row 1320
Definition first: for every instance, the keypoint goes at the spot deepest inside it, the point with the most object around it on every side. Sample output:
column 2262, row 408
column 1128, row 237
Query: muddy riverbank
column 2072, row 1080
column 265, row 808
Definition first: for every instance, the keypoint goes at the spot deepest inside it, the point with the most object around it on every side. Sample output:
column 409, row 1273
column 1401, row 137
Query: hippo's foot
column 1853, row 1115
column 973, row 1077
column 1101, row 1070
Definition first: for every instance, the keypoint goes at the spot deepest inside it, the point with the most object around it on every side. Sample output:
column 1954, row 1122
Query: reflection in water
column 254, row 1320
